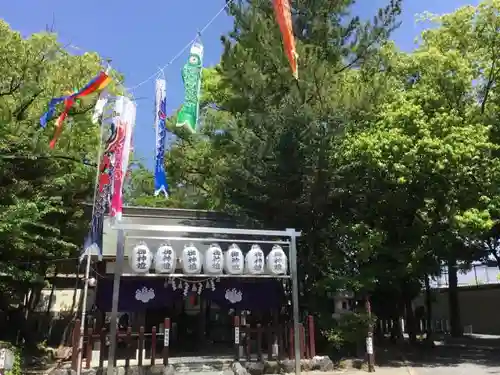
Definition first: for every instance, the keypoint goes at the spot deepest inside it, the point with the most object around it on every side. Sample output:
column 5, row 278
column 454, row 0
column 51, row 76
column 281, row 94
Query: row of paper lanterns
column 214, row 262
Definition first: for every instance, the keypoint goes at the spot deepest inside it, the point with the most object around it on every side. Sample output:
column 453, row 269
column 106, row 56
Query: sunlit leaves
column 42, row 195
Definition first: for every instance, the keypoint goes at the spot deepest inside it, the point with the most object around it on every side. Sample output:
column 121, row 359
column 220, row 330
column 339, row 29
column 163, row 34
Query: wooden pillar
column 166, row 340
column 75, row 342
column 141, row 344
column 270, row 341
column 116, row 347
column 90, row 344
column 369, row 339
column 302, row 341
column 102, row 345
column 153, row 345
column 236, row 324
column 128, row 343
column 259, row 341
column 248, row 341
column 274, row 334
column 281, row 341
column 202, row 320
column 312, row 336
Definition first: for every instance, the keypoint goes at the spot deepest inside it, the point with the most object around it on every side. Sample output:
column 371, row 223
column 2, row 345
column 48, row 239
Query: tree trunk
column 410, row 321
column 428, row 308
column 397, row 330
column 28, row 330
column 48, row 315
column 455, row 323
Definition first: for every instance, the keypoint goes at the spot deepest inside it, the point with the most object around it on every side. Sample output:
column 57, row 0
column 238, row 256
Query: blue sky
column 140, row 36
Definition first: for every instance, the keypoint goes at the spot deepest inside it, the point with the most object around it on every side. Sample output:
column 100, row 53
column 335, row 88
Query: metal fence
column 479, row 274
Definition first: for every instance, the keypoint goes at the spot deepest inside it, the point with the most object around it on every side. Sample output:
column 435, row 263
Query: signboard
column 6, row 359
column 166, row 337
column 236, row 335
column 369, row 345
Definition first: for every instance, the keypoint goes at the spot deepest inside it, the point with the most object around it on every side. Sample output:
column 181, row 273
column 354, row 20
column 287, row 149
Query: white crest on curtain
column 144, row 295
column 233, row 295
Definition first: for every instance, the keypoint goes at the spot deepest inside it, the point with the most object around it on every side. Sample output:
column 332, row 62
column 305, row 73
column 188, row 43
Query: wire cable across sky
column 179, row 54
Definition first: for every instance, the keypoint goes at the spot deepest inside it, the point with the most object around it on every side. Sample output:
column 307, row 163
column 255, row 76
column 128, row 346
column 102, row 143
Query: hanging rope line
column 184, row 49
column 161, row 69
column 165, row 276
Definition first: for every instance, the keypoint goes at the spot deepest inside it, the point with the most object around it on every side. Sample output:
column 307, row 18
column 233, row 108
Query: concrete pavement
column 445, row 360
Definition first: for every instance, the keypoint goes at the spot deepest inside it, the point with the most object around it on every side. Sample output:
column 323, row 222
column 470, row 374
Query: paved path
column 462, row 369
column 447, row 361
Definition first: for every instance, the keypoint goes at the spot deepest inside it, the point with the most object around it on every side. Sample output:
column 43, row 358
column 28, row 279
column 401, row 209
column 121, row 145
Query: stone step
column 207, row 367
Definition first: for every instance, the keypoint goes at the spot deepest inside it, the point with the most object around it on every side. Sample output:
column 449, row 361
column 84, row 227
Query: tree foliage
column 386, row 160
column 42, row 191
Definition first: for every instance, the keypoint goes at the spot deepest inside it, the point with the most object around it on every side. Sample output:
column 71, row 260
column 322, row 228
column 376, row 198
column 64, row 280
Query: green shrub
column 348, row 331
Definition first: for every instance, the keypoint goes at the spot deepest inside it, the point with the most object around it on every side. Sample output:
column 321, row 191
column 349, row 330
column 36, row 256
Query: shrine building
column 201, row 310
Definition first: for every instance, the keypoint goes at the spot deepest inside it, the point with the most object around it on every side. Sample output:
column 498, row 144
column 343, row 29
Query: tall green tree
column 386, row 160
column 42, row 217
column 266, row 149
column 429, row 161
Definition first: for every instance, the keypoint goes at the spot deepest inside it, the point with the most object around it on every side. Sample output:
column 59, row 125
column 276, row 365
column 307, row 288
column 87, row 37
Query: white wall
column 62, row 300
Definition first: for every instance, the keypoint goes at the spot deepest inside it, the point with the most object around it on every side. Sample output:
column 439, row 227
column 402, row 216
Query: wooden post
column 291, row 351
column 76, row 340
column 236, row 323
column 270, row 342
column 308, row 352
column 128, row 343
column 369, row 339
column 259, row 342
column 248, row 338
column 202, row 320
column 141, row 344
column 281, row 342
column 275, row 333
column 102, row 345
column 302, row 341
column 312, row 336
column 90, row 344
column 115, row 359
column 166, row 340
column 153, row 345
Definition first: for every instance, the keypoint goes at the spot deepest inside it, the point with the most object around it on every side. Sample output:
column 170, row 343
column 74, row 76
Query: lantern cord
column 166, row 277
column 195, row 281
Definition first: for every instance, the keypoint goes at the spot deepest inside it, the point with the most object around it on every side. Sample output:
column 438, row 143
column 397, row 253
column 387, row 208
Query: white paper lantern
column 191, row 260
column 234, row 261
column 277, row 261
column 165, row 260
column 254, row 260
column 214, row 260
column 92, row 282
column 141, row 258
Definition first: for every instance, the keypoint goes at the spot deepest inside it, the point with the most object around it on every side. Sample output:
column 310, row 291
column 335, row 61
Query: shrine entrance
column 217, row 286
column 201, row 326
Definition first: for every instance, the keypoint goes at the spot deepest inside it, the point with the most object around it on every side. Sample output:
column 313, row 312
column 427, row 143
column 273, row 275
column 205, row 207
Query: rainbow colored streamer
column 96, row 84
